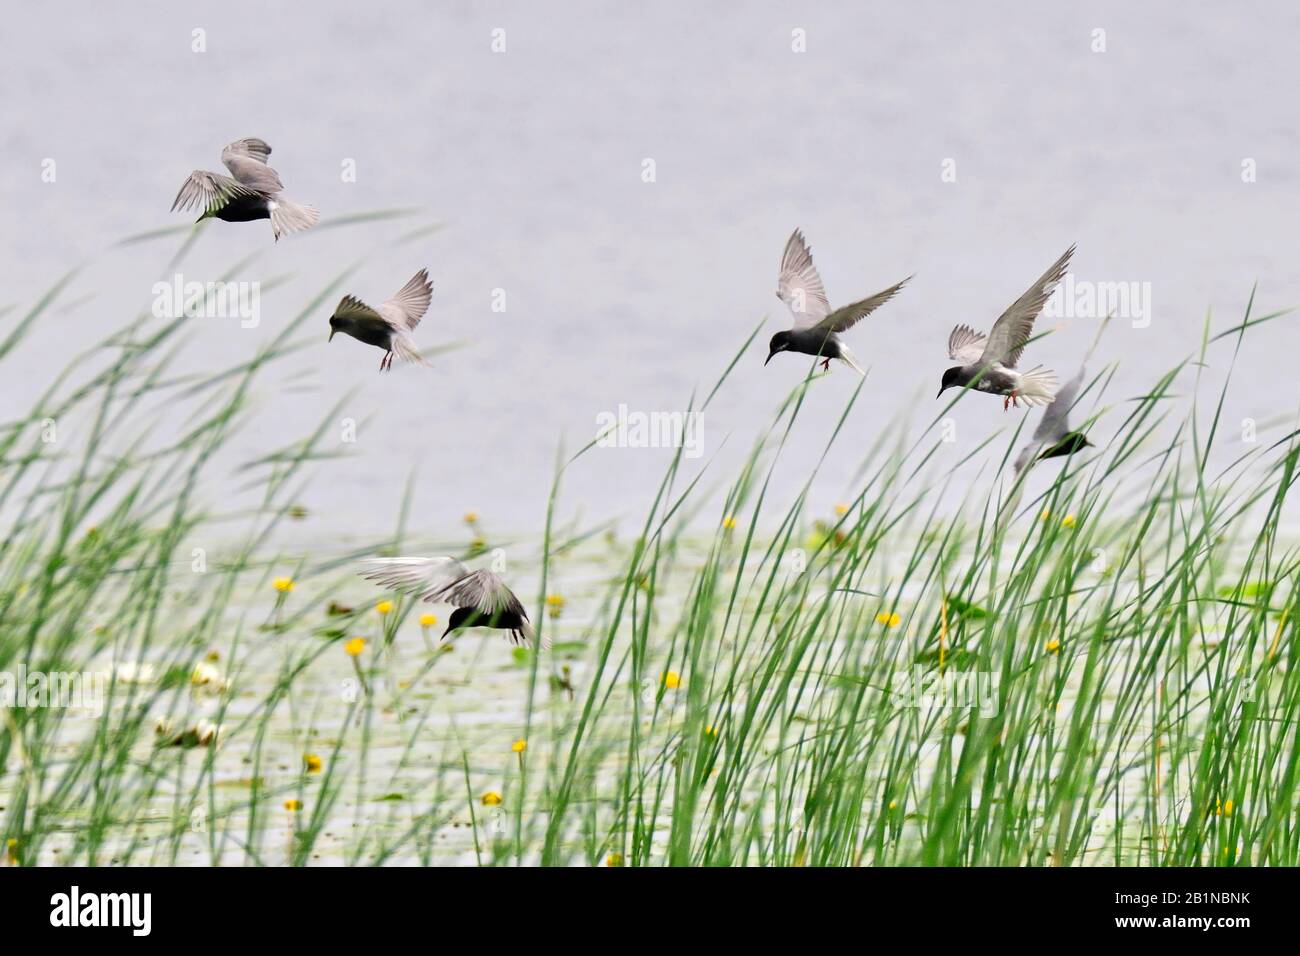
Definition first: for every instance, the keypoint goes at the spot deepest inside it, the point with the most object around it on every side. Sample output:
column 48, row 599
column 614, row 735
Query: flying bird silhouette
column 1053, row 437
column 816, row 328
column 988, row 363
column 387, row 327
column 254, row 192
column 480, row 597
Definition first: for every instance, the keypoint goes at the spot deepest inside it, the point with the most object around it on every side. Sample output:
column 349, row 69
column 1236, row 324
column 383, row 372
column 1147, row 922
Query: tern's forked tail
column 848, row 359
column 407, row 351
column 289, row 216
column 1037, row 386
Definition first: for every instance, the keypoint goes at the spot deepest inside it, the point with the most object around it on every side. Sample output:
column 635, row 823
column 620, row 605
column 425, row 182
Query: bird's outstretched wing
column 1055, row 423
column 246, row 160
column 208, row 191
column 426, row 577
column 1026, row 458
column 256, row 148
column 484, row 592
column 350, row 307
column 410, row 303
column 850, row 315
column 1012, row 330
column 799, row 286
column 965, row 345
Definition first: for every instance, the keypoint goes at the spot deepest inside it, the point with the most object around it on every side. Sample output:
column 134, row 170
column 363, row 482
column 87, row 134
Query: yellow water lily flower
column 293, row 805
column 614, row 859
column 1053, row 646
column 284, row 585
column 471, row 517
column 384, row 607
column 519, row 746
column 204, row 674
column 312, row 763
column 428, row 620
column 555, row 604
column 491, row 799
column 841, row 509
column 729, row 523
column 355, row 646
column 672, row 680
column 1067, row 521
column 889, row 618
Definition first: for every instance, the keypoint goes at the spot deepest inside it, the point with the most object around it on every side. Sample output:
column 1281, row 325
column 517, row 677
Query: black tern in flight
column 816, row 327
column 255, row 192
column 481, row 598
column 1053, row 437
column 388, row 326
column 992, row 359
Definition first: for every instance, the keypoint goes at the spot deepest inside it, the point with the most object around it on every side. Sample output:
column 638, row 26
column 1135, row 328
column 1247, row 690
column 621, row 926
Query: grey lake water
column 966, row 144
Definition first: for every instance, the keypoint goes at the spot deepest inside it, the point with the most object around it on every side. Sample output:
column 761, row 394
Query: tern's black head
column 461, row 617
column 952, row 377
column 780, row 342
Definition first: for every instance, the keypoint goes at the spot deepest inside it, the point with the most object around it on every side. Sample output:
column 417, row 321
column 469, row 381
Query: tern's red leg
column 826, row 364
column 1006, row 401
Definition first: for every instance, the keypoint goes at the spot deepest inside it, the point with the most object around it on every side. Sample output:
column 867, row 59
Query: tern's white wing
column 246, row 160
column 799, row 285
column 1056, row 416
column 253, row 147
column 1012, row 330
column 850, row 315
column 965, row 345
column 426, row 577
column 410, row 303
column 483, row 591
column 350, row 307
column 209, row 191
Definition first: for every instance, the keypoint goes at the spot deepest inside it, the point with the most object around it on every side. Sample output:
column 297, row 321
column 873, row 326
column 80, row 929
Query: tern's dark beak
column 331, row 338
column 769, row 356
column 941, row 391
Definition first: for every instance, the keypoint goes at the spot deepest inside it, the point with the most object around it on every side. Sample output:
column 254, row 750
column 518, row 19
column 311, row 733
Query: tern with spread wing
column 481, row 598
column 1053, row 437
column 988, row 363
column 389, row 326
column 816, row 328
column 252, row 191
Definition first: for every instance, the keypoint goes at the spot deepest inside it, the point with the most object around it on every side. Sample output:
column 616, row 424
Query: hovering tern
column 816, row 327
column 988, row 363
column 480, row 597
column 255, row 192
column 388, row 326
